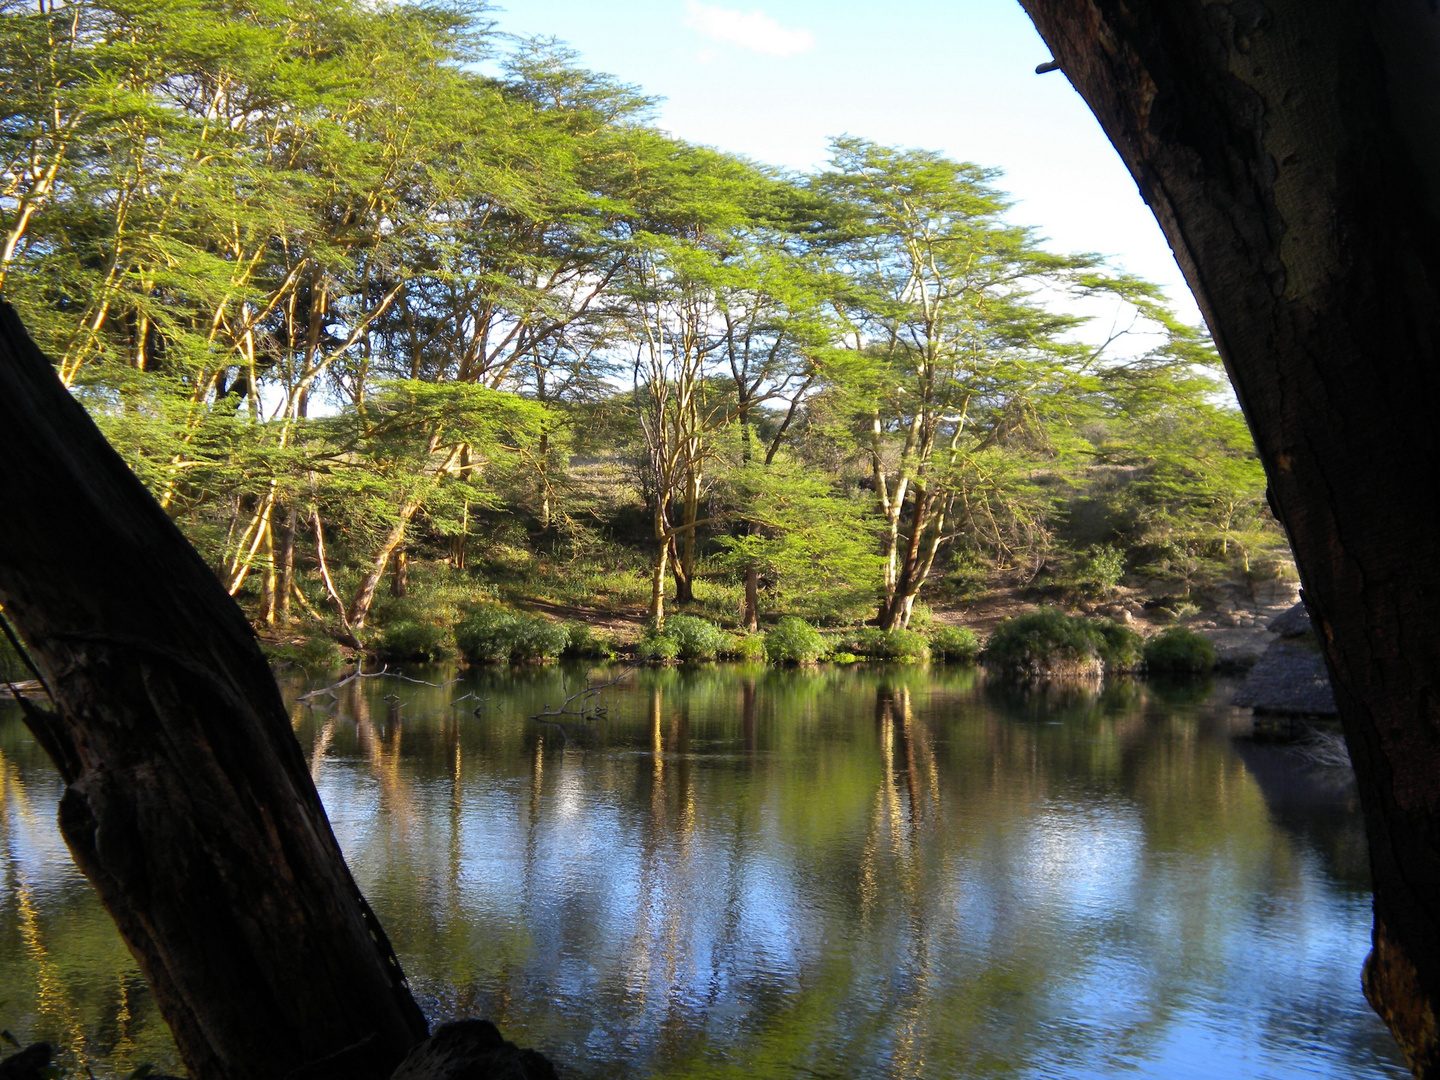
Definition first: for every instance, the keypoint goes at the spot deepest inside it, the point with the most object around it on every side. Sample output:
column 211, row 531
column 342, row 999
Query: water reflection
column 747, row 872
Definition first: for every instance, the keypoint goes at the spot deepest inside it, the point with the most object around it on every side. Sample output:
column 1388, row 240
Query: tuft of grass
column 876, row 644
column 1045, row 644
column 954, row 645
column 793, row 641
column 412, row 640
column 1121, row 649
column 495, row 635
column 1179, row 651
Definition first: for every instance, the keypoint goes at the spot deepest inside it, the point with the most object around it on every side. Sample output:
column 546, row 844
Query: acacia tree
column 1287, row 151
column 951, row 352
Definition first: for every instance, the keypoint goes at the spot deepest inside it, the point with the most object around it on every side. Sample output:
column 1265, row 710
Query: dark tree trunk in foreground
column 187, row 802
column 1291, row 152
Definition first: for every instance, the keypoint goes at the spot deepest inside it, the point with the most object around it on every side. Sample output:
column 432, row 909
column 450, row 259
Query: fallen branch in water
column 588, row 710
column 358, row 673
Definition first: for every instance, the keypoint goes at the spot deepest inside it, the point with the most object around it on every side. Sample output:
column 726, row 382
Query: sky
column 777, row 81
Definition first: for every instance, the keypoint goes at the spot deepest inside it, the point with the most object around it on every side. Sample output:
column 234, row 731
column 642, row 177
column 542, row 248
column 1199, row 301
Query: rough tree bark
column 1291, row 152
column 187, row 802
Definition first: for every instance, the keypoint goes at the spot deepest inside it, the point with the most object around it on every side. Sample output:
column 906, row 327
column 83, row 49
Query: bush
column 657, row 647
column 1045, row 644
column 410, row 640
column 746, row 647
column 493, row 635
column 1179, row 650
column 689, row 636
column 896, row 644
column 312, row 654
column 793, row 641
column 1121, row 648
column 581, row 640
column 1099, row 571
column 955, row 645
column 842, row 658
column 698, row 639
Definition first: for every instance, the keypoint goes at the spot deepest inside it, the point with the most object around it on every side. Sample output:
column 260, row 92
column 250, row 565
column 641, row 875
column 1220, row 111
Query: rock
column 27, row 1064
column 1289, row 680
column 1293, row 623
column 472, row 1050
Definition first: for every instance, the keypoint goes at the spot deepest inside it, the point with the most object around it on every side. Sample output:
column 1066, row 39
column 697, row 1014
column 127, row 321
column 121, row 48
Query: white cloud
column 753, row 30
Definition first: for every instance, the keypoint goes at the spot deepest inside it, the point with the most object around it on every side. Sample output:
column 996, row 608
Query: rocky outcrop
column 1290, row 678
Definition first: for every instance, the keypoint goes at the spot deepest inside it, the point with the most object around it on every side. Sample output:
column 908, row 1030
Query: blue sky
column 775, row 80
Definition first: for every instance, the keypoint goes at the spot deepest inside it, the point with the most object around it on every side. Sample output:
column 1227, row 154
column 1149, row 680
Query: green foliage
column 394, row 299
column 1121, row 648
column 793, row 641
column 894, row 644
column 1179, row 650
column 954, row 644
column 657, row 647
column 1099, row 570
column 314, row 654
column 748, row 648
column 413, row 640
column 582, row 641
column 1045, row 643
column 494, row 635
column 695, row 638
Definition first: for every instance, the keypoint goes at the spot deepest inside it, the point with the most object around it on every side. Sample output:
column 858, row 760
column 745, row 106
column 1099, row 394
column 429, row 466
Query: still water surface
column 846, row 873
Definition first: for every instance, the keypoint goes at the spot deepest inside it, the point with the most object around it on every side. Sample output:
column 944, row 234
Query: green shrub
column 493, row 635
column 657, row 647
column 1121, row 648
column 1179, row 650
column 842, row 658
column 954, row 644
column 746, row 647
column 1099, row 571
column 313, row 654
column 1045, row 644
column 582, row 640
column 877, row 644
column 793, row 641
column 537, row 638
column 921, row 616
column 409, row 640
column 697, row 638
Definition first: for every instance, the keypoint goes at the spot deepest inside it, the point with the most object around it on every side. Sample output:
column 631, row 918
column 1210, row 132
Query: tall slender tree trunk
column 187, row 802
column 750, row 615
column 365, row 592
column 657, row 583
column 400, row 575
column 1291, row 152
column 285, row 560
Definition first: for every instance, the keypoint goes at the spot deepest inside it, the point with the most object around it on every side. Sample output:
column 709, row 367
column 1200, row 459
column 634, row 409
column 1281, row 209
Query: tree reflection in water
column 749, row 872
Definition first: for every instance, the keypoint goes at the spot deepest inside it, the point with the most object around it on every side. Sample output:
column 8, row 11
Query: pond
column 740, row 872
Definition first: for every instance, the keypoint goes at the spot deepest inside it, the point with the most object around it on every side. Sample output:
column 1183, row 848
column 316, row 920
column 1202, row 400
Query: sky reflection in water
column 752, row 873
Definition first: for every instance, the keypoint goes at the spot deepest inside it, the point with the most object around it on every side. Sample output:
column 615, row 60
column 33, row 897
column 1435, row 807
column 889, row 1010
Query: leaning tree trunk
column 187, row 801
column 1291, row 152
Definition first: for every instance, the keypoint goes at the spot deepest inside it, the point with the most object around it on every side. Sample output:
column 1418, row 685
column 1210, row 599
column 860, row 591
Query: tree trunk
column 657, row 583
column 400, row 575
column 285, row 560
column 750, row 616
column 187, row 802
column 1291, row 152
column 365, row 591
